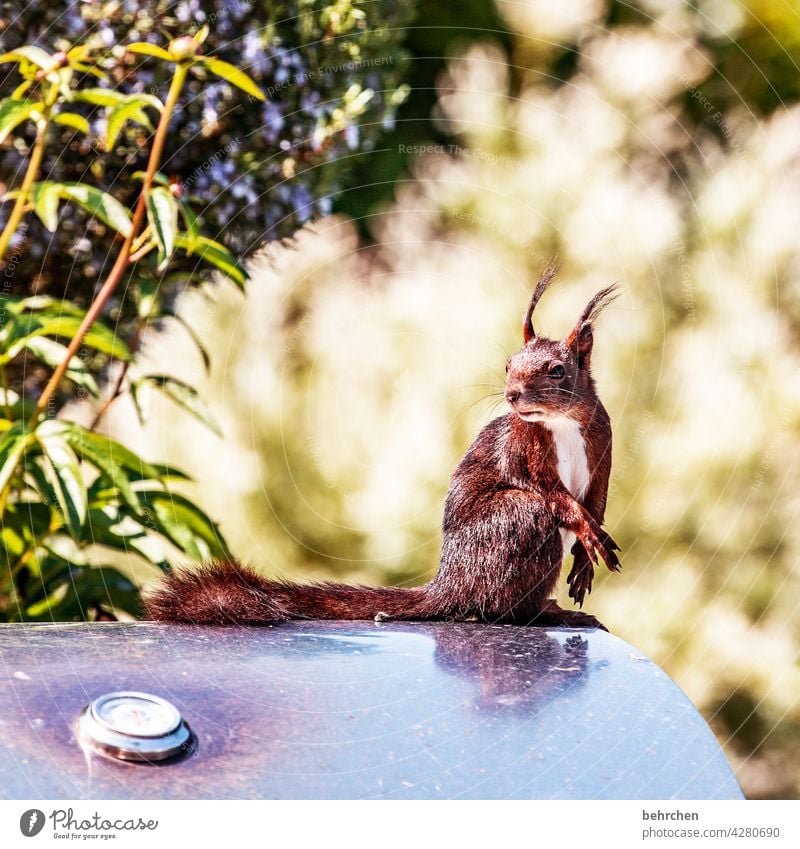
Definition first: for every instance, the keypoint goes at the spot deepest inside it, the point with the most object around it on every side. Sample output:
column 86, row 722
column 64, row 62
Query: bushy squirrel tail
column 228, row 593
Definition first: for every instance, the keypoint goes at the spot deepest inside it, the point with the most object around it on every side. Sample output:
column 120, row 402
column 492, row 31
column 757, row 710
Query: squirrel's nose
column 512, row 395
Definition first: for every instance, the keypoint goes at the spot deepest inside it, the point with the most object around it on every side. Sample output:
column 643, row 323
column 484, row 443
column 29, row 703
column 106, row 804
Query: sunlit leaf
column 29, row 53
column 215, row 254
column 44, row 303
column 13, row 113
column 165, row 472
column 52, row 353
column 63, row 471
column 109, row 528
column 147, row 298
column 130, row 461
column 21, row 89
column 119, row 117
column 201, row 348
column 162, row 213
column 103, row 585
column 145, row 49
column 192, row 222
column 46, row 197
column 235, row 76
column 99, row 204
column 159, row 178
column 79, row 53
column 141, row 395
column 186, row 396
column 102, row 452
column 47, row 323
column 44, row 609
column 13, row 444
column 185, row 525
column 130, row 109
column 71, row 119
column 64, row 547
column 99, row 96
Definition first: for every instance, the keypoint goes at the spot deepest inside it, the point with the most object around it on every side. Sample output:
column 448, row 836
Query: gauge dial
column 138, row 714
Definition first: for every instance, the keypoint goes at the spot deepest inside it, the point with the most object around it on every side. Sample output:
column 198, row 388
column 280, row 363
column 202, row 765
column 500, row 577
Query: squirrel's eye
column 506, row 368
column 557, row 372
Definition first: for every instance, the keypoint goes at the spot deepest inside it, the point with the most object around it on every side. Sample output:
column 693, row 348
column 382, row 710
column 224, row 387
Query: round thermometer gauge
column 134, row 726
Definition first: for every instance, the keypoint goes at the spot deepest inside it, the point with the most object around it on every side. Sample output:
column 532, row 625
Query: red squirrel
column 532, row 486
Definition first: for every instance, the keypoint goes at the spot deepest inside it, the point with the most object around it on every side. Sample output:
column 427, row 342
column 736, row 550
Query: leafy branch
column 49, row 512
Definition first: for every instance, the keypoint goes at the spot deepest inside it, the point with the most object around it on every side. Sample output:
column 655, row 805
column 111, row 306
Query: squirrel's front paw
column 596, row 542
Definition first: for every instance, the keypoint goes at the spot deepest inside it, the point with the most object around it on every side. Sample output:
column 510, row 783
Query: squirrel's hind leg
column 553, row 615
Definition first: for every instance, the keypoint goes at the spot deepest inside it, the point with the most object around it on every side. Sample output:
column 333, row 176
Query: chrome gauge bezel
column 97, row 730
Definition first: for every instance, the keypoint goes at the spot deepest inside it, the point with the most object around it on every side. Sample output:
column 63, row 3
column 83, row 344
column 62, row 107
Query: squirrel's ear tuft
column 546, row 277
column 582, row 336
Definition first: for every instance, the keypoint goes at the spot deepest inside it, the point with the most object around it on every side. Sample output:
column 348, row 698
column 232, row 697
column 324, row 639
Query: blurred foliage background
column 653, row 142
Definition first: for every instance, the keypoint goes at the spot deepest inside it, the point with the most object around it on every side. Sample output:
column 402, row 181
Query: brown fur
column 501, row 551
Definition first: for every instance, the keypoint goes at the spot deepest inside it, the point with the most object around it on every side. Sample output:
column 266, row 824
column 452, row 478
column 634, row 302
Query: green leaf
column 186, row 525
column 102, row 453
column 13, row 444
column 12, row 541
column 100, row 494
column 98, row 585
column 63, row 471
column 145, row 49
column 99, row 96
column 147, row 300
column 215, row 254
column 88, row 69
column 45, row 203
column 166, row 472
column 141, row 394
column 136, row 466
column 202, row 350
column 232, row 74
column 159, row 178
column 130, row 109
column 49, row 323
column 79, row 53
column 119, row 117
column 44, row 303
column 113, row 459
column 34, row 55
column 21, row 89
column 34, row 474
column 22, row 523
column 71, row 590
column 191, row 220
column 52, row 353
column 13, row 113
column 99, row 204
column 45, row 608
column 186, row 396
column 162, row 213
column 108, row 527
column 108, row 586
column 71, row 119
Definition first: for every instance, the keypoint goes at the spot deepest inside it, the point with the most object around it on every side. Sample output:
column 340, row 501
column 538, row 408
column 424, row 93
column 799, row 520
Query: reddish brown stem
column 124, row 257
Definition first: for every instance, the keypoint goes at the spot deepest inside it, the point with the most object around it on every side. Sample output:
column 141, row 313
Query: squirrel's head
column 549, row 377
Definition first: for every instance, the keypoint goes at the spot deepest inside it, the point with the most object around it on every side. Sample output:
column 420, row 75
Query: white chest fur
column 573, row 466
